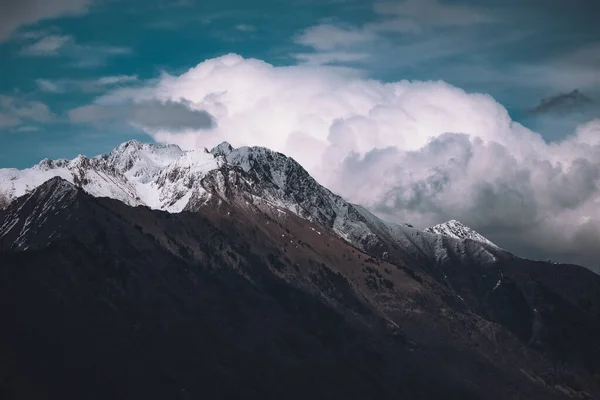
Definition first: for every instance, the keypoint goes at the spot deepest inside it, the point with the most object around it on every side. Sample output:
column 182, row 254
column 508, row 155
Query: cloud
column 155, row 115
column 585, row 56
column 115, row 80
column 420, row 152
column 564, row 103
column 333, row 44
column 89, row 56
column 13, row 110
column 326, row 37
column 8, row 120
column 48, row 46
column 85, row 85
column 27, row 128
column 83, row 55
column 48, row 86
column 344, row 43
column 245, row 28
column 561, row 73
column 150, row 115
column 330, row 57
column 93, row 114
column 16, row 13
column 431, row 13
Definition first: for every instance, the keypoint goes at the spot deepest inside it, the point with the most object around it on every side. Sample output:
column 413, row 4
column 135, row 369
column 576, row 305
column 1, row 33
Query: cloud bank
column 149, row 115
column 420, row 152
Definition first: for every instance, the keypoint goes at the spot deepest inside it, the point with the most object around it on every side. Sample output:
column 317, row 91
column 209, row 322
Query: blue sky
column 60, row 56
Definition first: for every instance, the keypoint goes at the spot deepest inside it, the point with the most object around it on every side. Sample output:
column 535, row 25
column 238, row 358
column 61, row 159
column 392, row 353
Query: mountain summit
column 456, row 229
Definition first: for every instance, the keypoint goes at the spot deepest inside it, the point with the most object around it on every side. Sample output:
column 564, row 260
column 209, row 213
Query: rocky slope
column 99, row 299
column 267, row 284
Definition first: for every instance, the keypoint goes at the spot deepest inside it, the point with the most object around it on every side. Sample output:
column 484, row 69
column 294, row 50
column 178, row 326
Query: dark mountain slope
column 102, row 300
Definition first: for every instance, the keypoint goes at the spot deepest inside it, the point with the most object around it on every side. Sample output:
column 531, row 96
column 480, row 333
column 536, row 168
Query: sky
column 422, row 110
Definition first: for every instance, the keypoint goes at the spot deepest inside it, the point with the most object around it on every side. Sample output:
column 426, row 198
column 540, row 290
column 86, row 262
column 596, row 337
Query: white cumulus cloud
column 420, row 152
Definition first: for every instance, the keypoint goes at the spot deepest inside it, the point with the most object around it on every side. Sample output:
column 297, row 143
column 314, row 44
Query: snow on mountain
column 455, row 229
column 97, row 177
column 168, row 178
column 29, row 214
column 135, row 173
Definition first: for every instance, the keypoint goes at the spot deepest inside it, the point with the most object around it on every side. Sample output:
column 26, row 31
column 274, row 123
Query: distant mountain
column 153, row 272
column 457, row 230
column 563, row 103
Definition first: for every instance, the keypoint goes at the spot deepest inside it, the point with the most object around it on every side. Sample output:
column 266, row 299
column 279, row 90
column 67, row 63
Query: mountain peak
column 23, row 221
column 456, row 229
column 56, row 188
column 222, row 149
column 48, row 164
column 131, row 144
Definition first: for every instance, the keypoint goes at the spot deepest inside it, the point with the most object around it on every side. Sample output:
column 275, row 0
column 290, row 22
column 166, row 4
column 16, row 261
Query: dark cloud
column 564, row 103
column 559, row 115
column 172, row 116
column 152, row 115
column 16, row 13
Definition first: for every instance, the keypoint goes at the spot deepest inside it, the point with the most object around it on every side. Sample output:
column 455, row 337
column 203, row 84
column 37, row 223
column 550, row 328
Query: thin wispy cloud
column 330, row 57
column 28, row 128
column 329, row 37
column 81, row 55
column 412, row 17
column 47, row 46
column 18, row 13
column 85, row 85
column 245, row 28
column 15, row 110
column 8, row 120
column 426, row 14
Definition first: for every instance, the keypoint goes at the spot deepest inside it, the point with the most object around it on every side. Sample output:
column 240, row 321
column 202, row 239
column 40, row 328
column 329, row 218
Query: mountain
column 266, row 284
column 167, row 178
column 457, row 230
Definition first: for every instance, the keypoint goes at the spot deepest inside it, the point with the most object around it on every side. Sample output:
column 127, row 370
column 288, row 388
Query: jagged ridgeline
column 152, row 272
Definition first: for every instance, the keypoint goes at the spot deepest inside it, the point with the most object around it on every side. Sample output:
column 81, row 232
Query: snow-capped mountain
column 167, row 178
column 456, row 229
column 258, row 230
column 158, row 176
column 92, row 265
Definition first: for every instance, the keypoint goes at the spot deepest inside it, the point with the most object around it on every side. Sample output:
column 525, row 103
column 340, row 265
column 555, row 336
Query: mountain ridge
column 340, row 284
column 458, row 230
column 167, row 178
